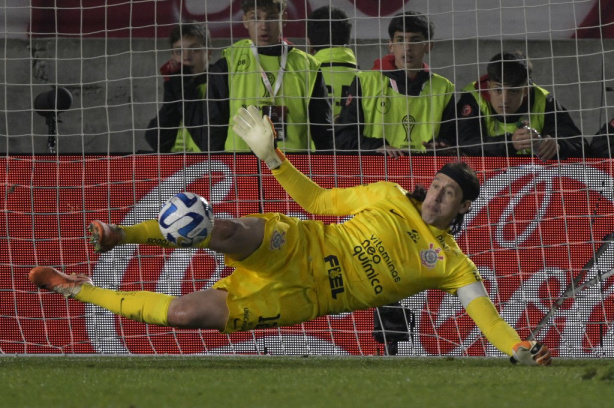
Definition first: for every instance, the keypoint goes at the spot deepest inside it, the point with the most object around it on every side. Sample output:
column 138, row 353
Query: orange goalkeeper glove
column 530, row 352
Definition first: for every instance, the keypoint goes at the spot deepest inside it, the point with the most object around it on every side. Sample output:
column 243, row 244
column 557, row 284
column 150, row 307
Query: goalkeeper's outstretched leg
column 203, row 309
column 207, row 309
column 237, row 238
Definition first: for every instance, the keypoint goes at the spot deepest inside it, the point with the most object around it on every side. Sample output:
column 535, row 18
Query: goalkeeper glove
column 258, row 132
column 530, row 352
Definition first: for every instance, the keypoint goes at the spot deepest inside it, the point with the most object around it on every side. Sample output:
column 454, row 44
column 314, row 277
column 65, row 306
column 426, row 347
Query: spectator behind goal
column 180, row 123
column 268, row 72
column 399, row 105
column 328, row 35
column 505, row 114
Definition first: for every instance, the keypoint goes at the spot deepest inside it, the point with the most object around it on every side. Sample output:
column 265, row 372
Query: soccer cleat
column 46, row 277
column 105, row 236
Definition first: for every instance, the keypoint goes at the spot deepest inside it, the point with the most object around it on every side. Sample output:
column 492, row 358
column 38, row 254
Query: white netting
column 535, row 231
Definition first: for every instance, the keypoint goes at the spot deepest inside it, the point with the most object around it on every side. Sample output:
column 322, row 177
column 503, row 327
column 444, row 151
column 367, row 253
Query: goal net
column 82, row 81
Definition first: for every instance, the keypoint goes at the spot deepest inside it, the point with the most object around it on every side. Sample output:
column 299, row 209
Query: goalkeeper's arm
column 503, row 336
column 259, row 134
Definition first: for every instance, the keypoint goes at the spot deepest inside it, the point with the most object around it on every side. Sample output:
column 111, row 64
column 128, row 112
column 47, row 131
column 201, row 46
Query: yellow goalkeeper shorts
column 274, row 286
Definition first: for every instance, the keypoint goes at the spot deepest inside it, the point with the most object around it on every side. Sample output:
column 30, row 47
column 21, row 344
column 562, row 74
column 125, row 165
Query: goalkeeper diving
column 289, row 271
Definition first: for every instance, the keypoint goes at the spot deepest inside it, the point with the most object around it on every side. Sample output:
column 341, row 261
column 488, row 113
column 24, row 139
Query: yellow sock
column 148, row 233
column 141, row 306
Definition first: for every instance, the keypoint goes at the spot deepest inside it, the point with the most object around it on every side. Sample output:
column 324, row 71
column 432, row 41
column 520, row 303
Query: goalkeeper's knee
column 529, row 352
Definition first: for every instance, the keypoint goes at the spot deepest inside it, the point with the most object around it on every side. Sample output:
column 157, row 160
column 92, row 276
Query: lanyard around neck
column 280, row 74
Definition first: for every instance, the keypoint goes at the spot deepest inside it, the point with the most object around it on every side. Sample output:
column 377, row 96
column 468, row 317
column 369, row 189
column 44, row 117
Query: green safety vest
column 246, row 87
column 339, row 67
column 495, row 128
column 404, row 121
column 184, row 141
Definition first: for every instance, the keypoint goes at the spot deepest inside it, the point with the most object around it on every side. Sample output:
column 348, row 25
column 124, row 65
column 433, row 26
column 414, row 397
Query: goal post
column 81, row 82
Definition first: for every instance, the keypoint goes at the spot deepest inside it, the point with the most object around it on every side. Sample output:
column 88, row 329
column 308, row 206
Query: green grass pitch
column 269, row 381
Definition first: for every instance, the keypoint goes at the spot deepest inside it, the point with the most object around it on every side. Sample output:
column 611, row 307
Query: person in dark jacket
column 602, row 144
column 505, row 114
column 399, row 105
column 329, row 30
column 180, row 125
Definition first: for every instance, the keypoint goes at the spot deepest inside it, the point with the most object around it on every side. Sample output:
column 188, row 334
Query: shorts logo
column 429, row 257
column 277, row 240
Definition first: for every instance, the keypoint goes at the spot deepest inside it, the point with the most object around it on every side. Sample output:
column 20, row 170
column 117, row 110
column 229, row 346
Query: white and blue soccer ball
column 186, row 219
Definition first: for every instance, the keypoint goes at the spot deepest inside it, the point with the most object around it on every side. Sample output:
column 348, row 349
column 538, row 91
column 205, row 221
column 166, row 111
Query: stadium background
column 535, row 227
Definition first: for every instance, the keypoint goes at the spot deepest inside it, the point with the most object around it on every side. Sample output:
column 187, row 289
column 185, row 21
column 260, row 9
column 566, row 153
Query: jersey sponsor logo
column 466, row 111
column 335, row 276
column 277, row 240
column 373, row 252
column 442, row 241
column 430, row 256
column 414, row 235
column 367, row 266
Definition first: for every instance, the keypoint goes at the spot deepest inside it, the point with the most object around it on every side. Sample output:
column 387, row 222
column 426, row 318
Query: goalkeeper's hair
column 328, row 27
column 191, row 29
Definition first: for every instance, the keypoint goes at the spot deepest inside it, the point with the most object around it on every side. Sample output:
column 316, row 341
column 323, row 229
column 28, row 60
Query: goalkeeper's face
column 443, row 202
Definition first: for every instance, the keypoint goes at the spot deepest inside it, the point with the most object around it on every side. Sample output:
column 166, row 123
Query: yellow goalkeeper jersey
column 384, row 253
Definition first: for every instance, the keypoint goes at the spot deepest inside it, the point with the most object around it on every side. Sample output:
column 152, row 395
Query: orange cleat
column 105, row 236
column 46, row 277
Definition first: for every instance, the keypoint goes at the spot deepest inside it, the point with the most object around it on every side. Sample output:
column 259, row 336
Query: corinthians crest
column 430, row 256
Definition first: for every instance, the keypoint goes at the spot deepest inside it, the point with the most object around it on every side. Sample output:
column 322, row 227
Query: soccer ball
column 186, row 219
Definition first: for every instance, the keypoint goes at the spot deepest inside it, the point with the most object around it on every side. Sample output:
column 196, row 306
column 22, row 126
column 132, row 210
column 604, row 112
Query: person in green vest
column 180, row 123
column 328, row 34
column 267, row 71
column 400, row 105
column 505, row 114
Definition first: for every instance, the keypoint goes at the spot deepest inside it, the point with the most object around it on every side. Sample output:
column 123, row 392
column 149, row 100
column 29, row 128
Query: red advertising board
column 532, row 231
